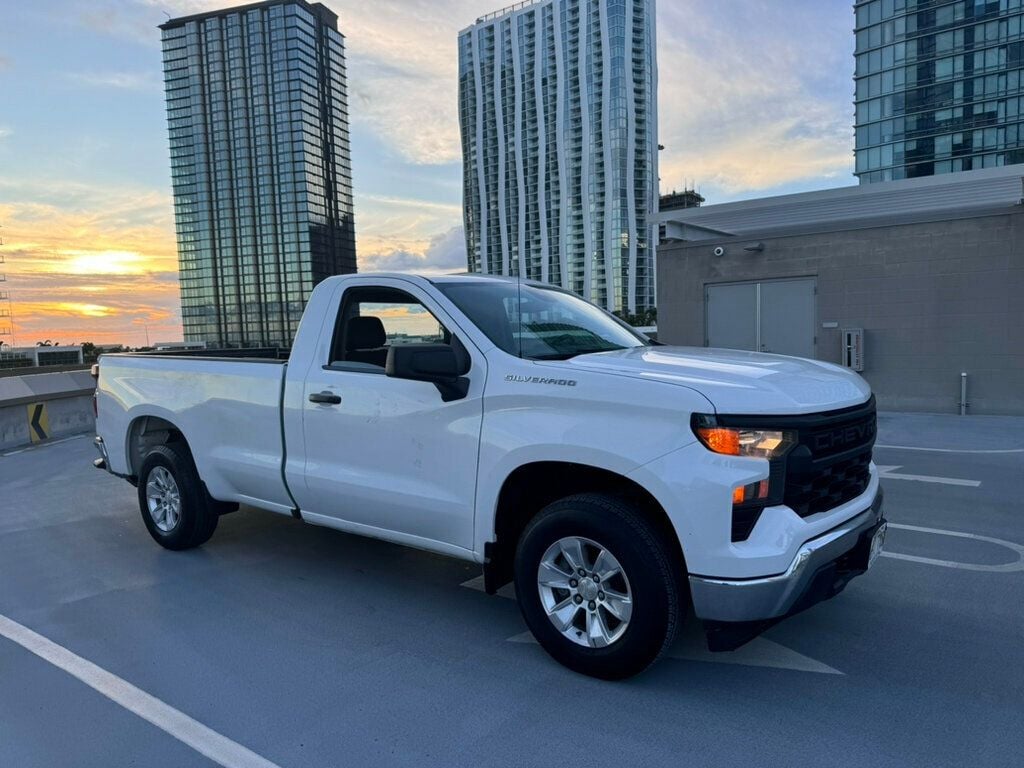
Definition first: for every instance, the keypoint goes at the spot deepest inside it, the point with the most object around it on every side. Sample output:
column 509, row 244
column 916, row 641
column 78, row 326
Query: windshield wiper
column 576, row 353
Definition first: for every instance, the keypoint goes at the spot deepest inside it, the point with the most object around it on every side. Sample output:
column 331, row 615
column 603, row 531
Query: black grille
column 830, row 463
column 828, row 487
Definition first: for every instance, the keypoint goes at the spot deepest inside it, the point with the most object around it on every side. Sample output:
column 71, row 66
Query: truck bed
column 229, row 410
column 253, row 355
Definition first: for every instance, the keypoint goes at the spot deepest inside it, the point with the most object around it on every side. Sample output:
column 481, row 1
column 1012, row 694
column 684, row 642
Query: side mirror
column 435, row 363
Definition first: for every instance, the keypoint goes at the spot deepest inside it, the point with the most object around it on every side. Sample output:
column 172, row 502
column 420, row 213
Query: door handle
column 325, row 398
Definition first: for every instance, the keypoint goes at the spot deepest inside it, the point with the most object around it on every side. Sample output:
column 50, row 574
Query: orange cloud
column 89, row 264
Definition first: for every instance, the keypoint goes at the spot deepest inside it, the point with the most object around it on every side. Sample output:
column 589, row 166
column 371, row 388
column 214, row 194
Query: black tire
column 198, row 515
column 653, row 582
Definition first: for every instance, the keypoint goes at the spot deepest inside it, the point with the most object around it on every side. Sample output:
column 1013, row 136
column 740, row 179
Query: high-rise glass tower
column 258, row 119
column 557, row 107
column 940, row 86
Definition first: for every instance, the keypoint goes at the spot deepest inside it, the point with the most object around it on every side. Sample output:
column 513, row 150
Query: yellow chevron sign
column 38, row 422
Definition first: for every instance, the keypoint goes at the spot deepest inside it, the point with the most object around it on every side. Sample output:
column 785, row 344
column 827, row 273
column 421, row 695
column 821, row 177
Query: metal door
column 732, row 316
column 787, row 317
column 775, row 316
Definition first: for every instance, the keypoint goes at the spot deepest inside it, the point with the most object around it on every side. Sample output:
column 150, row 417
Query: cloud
column 136, row 20
column 752, row 96
column 403, row 73
column 135, row 81
column 754, row 104
column 401, row 54
column 442, row 253
column 744, row 106
column 99, row 263
column 392, row 231
column 127, row 21
column 176, row 8
column 6, row 63
column 405, row 202
column 94, row 263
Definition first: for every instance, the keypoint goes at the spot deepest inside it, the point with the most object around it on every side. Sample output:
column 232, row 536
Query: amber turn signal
column 720, row 440
column 753, row 492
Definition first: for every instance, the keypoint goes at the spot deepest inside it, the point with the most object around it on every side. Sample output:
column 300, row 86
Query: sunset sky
column 754, row 99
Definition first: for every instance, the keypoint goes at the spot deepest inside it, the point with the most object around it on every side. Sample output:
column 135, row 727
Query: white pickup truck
column 620, row 484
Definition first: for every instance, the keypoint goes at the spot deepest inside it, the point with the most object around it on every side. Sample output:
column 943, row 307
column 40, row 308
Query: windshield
column 540, row 322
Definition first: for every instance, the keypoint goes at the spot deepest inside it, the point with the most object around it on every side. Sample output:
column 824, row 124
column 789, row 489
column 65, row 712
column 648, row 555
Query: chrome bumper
column 821, row 568
column 103, row 461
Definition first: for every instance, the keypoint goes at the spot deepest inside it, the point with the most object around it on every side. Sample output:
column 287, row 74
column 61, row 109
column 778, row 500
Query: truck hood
column 738, row 382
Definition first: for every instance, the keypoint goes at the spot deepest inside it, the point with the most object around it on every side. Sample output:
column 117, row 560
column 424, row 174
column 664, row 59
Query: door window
column 371, row 320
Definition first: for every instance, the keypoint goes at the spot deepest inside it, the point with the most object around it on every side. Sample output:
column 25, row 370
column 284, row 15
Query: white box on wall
column 853, row 348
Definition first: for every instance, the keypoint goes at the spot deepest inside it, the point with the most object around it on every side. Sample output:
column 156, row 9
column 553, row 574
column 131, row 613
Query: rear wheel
column 596, row 586
column 175, row 507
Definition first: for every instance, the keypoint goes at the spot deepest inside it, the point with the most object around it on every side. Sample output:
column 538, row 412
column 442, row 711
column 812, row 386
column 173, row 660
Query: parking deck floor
column 283, row 644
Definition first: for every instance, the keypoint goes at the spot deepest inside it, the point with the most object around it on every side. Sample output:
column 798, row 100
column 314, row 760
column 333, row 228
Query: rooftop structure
column 924, row 199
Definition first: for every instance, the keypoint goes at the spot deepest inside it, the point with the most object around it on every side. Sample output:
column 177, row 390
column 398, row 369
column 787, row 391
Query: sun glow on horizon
column 85, row 310
column 100, row 268
column 103, row 263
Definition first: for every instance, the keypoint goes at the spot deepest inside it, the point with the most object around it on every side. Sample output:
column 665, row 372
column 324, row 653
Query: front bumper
column 821, row 569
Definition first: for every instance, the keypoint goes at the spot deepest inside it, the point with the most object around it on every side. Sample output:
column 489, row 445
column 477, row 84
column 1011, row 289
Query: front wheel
column 596, row 586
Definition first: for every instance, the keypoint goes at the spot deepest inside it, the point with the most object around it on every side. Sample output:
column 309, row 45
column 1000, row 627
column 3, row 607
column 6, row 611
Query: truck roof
column 442, row 279
column 464, row 277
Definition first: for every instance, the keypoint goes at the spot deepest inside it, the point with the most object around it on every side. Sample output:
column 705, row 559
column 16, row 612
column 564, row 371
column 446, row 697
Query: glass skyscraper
column 258, row 119
column 940, row 86
column 558, row 116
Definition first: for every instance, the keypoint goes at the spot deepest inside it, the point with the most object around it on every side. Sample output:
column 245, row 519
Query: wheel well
column 147, row 432
column 532, row 487
column 144, row 434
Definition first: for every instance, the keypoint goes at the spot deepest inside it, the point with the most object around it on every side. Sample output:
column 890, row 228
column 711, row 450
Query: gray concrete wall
column 34, row 370
column 67, row 398
column 934, row 299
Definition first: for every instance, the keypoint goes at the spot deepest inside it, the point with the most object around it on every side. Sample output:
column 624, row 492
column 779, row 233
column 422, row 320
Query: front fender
column 603, row 421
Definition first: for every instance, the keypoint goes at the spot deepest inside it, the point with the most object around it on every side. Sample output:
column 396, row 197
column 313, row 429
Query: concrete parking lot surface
column 302, row 646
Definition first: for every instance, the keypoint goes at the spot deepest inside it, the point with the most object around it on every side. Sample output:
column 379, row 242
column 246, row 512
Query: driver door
column 385, row 454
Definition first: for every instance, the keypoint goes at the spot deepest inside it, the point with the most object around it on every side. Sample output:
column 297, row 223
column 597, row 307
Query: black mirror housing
column 435, row 363
column 422, row 362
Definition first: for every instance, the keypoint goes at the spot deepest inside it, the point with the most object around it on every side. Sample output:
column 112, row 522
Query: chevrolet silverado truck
column 622, row 485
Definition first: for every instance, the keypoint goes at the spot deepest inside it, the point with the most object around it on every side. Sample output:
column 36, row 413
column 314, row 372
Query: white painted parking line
column 889, row 474
column 192, row 733
column 692, row 646
column 1002, row 568
column 949, row 450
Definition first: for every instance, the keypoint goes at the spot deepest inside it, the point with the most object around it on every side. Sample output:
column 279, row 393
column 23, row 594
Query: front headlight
column 737, row 441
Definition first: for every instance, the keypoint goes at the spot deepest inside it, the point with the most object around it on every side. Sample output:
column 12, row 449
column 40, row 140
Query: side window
column 406, row 322
column 371, row 320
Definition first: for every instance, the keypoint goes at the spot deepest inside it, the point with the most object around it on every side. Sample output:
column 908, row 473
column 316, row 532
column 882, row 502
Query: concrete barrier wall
column 45, row 406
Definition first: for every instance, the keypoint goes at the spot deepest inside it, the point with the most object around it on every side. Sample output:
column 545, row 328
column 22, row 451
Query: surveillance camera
column 719, row 251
